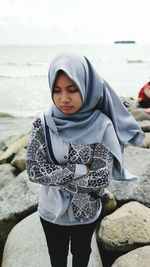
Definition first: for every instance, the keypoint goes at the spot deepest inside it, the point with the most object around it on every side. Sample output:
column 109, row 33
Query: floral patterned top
column 83, row 191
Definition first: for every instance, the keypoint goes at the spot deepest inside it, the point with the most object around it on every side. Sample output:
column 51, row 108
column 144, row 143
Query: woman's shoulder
column 38, row 118
column 38, row 121
column 105, row 120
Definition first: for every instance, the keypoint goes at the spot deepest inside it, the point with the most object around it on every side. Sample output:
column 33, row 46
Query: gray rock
column 145, row 125
column 6, row 174
column 2, row 146
column 11, row 139
column 137, row 112
column 138, row 257
column 19, row 161
column 137, row 161
column 126, row 228
column 18, row 199
column 129, row 102
column 18, row 196
column 1, row 152
column 140, row 115
column 146, row 141
column 109, row 203
column 13, row 149
column 26, row 246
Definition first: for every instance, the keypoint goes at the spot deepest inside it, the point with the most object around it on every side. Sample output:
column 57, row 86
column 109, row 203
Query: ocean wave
column 137, row 61
column 17, row 116
column 22, row 76
column 5, row 114
column 24, row 64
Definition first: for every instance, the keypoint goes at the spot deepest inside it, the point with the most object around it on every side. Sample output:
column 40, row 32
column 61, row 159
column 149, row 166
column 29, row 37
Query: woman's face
column 147, row 91
column 66, row 95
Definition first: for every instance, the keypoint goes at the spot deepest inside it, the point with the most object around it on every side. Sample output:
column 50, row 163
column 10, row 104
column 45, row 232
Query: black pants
column 58, row 237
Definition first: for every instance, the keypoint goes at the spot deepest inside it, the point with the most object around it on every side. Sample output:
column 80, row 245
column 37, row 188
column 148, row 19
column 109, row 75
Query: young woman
column 74, row 150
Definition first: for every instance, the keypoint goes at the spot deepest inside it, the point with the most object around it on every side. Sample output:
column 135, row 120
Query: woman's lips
column 66, row 107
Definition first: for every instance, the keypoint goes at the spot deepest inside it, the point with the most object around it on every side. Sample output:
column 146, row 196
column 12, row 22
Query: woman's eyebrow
column 68, row 86
column 71, row 85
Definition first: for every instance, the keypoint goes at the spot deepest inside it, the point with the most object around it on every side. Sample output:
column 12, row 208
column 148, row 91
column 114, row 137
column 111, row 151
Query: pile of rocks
column 124, row 233
column 138, row 113
column 18, row 196
column 26, row 245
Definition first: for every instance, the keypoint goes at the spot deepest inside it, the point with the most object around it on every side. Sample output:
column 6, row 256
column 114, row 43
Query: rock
column 11, row 139
column 2, row 146
column 126, row 228
column 26, row 246
column 6, row 174
column 145, row 125
column 137, row 161
column 146, row 141
column 1, row 152
column 139, row 114
column 13, row 149
column 138, row 257
column 129, row 102
column 109, row 203
column 18, row 199
column 19, row 161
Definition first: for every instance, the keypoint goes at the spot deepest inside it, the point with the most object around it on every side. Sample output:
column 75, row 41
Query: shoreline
column 14, row 125
column 4, row 114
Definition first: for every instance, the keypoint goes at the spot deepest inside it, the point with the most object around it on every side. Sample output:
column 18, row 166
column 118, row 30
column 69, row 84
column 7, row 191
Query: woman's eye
column 73, row 90
column 56, row 90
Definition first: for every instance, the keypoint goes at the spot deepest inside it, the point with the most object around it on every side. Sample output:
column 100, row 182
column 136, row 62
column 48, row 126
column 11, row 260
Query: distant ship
column 125, row 42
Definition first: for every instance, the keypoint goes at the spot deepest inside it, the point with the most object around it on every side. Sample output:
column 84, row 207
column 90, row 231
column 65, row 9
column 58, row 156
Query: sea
column 24, row 89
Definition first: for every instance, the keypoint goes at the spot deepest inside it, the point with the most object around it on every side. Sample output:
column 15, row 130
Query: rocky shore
column 122, row 238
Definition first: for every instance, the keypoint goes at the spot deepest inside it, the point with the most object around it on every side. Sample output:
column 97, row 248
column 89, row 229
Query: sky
column 74, row 21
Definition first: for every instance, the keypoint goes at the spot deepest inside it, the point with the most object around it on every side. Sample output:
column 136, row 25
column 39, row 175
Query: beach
column 24, row 88
column 25, row 93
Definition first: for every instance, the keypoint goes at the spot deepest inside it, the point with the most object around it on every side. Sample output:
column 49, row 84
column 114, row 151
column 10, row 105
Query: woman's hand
column 88, row 168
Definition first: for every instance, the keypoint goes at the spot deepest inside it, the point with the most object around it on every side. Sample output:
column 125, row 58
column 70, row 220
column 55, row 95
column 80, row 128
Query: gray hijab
column 102, row 118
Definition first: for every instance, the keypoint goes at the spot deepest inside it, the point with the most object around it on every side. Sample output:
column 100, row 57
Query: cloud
column 75, row 21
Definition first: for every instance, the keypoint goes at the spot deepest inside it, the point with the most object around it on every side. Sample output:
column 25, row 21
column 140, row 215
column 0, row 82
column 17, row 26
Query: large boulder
column 140, row 115
column 137, row 161
column 146, row 141
column 18, row 198
column 145, row 125
column 19, row 161
column 11, row 139
column 138, row 257
column 126, row 228
column 6, row 174
column 13, row 149
column 108, row 202
column 26, row 246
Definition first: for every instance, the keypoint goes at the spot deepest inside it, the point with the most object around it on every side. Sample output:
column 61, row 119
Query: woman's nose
column 65, row 97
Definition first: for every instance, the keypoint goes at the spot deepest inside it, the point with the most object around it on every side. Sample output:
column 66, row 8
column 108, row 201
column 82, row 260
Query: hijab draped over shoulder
column 102, row 118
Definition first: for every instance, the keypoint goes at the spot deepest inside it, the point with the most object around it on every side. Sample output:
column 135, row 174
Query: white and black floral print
column 85, row 190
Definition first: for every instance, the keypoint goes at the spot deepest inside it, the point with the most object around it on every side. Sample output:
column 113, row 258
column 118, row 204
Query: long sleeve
column 39, row 170
column 99, row 175
column 87, row 190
